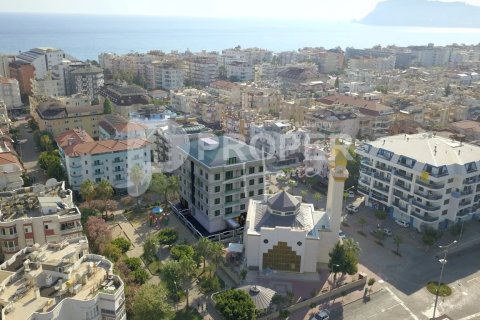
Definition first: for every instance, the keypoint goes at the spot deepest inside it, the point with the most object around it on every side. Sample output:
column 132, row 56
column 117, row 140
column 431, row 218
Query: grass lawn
column 444, row 290
column 190, row 314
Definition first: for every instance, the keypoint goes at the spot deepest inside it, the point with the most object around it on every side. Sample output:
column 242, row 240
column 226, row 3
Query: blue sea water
column 86, row 36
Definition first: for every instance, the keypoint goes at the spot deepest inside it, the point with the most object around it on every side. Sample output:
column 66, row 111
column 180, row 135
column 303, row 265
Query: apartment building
column 262, row 100
column 332, row 121
column 227, row 92
column 60, row 281
column 58, row 115
column 109, row 160
column 42, row 59
column 167, row 75
column 201, row 69
column 38, row 214
column 116, row 127
column 239, row 71
column 423, row 179
column 10, row 93
column 124, row 95
column 218, row 176
column 86, row 80
column 375, row 120
column 189, row 100
column 376, row 64
column 11, row 169
column 24, row 73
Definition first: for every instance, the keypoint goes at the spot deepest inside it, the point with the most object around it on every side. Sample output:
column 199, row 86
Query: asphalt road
column 382, row 305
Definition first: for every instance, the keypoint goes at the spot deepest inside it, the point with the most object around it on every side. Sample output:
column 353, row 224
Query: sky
column 334, row 10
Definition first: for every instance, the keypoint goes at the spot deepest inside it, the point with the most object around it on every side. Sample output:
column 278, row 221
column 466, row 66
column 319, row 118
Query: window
column 242, row 184
column 250, row 193
column 228, row 210
column 446, row 201
column 260, row 191
column 251, row 182
column 201, row 172
column 232, row 160
column 444, row 212
column 228, row 175
column 448, row 190
column 206, row 175
column 450, row 180
column 260, row 169
column 217, row 189
column 229, row 187
column 217, row 201
column 228, row 199
column 251, row 170
column 299, row 243
column 265, row 241
column 260, row 180
column 217, row 213
column 242, row 195
column 242, row 207
column 217, row 176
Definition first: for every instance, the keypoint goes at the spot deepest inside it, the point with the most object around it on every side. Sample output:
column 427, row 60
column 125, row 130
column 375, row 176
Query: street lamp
column 443, row 262
column 334, row 274
column 461, row 229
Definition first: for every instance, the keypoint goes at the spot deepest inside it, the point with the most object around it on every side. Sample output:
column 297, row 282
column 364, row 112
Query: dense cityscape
column 242, row 184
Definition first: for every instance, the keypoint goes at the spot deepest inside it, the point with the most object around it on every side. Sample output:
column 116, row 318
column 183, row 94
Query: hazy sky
column 296, row 9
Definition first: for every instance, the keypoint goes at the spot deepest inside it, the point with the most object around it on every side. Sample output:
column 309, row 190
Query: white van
column 403, row 223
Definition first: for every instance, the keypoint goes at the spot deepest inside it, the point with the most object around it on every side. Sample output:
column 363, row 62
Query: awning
column 232, row 223
column 235, row 247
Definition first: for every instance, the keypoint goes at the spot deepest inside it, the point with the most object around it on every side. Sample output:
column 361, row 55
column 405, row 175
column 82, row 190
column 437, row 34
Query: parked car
column 342, row 235
column 323, row 314
column 352, row 209
column 403, row 223
column 387, row 232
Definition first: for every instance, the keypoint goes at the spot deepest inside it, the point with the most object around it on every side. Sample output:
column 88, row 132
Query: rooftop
column 126, row 89
column 429, row 149
column 217, row 151
column 37, row 279
column 36, row 201
column 74, row 136
column 54, row 109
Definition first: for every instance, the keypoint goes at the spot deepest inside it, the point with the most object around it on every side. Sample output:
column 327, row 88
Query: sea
column 86, row 36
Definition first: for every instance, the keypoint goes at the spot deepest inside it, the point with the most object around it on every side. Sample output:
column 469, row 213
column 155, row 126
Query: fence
column 220, row 236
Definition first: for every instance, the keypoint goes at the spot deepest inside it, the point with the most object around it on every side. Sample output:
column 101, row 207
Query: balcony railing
column 399, row 207
column 384, row 168
column 435, row 186
column 366, row 172
column 235, row 190
column 98, row 173
column 429, row 196
column 363, row 190
column 117, row 160
column 465, row 203
column 381, row 188
column 379, row 197
column 470, row 180
column 98, row 164
column 380, row 177
column 233, row 214
column 425, row 217
column 425, row 206
column 402, row 175
column 399, row 194
column 402, row 186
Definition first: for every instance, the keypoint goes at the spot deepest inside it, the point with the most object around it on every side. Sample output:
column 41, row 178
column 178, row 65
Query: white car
column 387, row 232
column 351, row 209
column 342, row 235
column 403, row 223
column 321, row 315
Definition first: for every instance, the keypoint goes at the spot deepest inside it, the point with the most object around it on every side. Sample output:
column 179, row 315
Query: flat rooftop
column 429, row 148
column 216, row 151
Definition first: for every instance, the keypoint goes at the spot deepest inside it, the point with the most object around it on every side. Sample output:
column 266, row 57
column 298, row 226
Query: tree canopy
column 151, row 303
column 344, row 257
column 235, row 304
column 107, row 106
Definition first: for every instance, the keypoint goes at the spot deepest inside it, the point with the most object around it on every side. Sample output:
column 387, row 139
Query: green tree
column 397, row 239
column 317, row 196
column 353, row 167
column 136, row 176
column 87, row 190
column 167, row 236
column 107, row 106
column 122, row 243
column 173, row 186
column 380, row 214
column 48, row 159
column 188, row 272
column 112, row 252
column 303, row 193
column 159, row 185
column 151, row 303
column 209, row 284
column 448, row 90
column 46, row 143
column 141, row 276
column 362, row 222
column 235, row 304
column 215, row 254
column 181, row 251
column 150, row 249
column 55, row 170
column 202, row 248
column 344, row 257
column 104, row 192
column 133, row 263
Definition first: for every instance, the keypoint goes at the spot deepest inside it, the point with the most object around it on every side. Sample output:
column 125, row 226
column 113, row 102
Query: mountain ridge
column 424, row 13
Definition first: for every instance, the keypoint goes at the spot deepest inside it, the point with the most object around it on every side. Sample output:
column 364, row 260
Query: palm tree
column 136, row 176
column 352, row 246
column 188, row 272
column 397, row 240
column 104, row 192
column 87, row 190
column 215, row 254
column 317, row 196
column 203, row 248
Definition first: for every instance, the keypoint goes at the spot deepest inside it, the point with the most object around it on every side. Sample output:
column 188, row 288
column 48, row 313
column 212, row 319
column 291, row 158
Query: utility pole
column 443, row 262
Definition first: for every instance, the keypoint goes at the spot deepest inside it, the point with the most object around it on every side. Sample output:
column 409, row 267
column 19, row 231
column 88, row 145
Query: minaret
column 336, row 181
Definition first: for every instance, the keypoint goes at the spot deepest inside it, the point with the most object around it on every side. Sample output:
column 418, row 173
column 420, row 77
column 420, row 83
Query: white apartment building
column 218, row 176
column 165, row 75
column 43, row 59
column 11, row 169
column 38, row 214
column 376, row 64
column 48, row 87
column 188, row 100
column 239, row 71
column 279, row 138
column 227, row 92
column 86, row 80
column 422, row 179
column 202, row 69
column 102, row 160
column 60, row 281
column 10, row 93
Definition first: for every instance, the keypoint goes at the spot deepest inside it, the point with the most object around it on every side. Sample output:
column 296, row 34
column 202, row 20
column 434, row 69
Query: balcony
column 74, row 166
column 367, row 162
column 425, row 217
column 383, row 168
column 98, row 164
column 435, row 186
column 380, row 177
column 236, row 190
column 364, row 181
column 379, row 197
column 425, row 206
column 98, row 173
column 11, row 249
column 399, row 207
column 381, row 188
column 399, row 194
column 117, row 160
column 464, row 203
column 398, row 173
column 234, row 214
column 363, row 190
column 8, row 236
column 429, row 195
column 118, row 170
column 402, row 186
column 470, row 180
column 367, row 172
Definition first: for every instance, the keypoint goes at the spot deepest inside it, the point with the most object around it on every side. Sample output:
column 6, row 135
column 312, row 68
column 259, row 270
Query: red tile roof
column 104, row 146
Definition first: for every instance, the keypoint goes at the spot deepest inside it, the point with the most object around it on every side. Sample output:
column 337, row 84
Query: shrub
column 133, row 263
column 141, row 276
column 122, row 243
column 380, row 215
column 443, row 289
column 112, row 252
column 235, row 304
column 456, row 229
column 371, row 281
column 180, row 251
column 430, row 236
column 209, row 284
column 167, row 236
